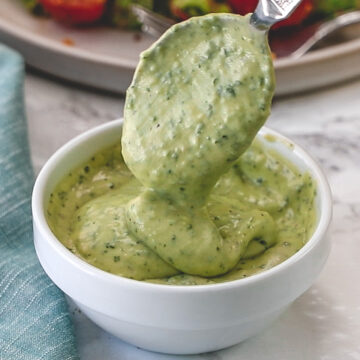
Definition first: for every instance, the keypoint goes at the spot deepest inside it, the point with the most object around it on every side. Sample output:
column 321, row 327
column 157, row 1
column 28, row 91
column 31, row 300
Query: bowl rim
column 39, row 219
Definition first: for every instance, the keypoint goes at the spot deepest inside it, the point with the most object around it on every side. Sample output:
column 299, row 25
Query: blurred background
column 97, row 42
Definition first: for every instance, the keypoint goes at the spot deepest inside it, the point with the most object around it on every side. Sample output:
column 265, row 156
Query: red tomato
column 243, row 6
column 301, row 13
column 75, row 11
column 178, row 13
column 298, row 16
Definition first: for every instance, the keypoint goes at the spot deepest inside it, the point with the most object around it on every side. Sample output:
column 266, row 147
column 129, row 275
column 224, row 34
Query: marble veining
column 324, row 323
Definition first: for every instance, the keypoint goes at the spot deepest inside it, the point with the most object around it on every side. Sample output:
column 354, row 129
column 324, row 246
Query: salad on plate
column 118, row 13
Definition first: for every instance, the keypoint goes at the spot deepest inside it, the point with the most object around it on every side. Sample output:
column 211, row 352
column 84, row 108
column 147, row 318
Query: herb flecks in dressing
column 204, row 206
column 86, row 213
column 198, row 98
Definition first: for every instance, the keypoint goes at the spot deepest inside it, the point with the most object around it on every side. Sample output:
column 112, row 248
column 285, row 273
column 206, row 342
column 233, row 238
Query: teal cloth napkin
column 34, row 318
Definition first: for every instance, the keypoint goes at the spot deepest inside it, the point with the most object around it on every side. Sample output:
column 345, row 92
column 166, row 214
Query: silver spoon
column 267, row 13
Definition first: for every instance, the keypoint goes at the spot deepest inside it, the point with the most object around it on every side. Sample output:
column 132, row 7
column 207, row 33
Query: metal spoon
column 267, row 13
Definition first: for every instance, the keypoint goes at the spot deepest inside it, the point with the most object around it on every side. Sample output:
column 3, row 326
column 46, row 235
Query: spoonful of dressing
column 199, row 96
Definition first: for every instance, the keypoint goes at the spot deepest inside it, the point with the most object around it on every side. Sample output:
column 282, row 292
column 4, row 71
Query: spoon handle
column 269, row 12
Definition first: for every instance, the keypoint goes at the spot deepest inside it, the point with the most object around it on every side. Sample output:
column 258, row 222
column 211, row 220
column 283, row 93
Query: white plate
column 106, row 58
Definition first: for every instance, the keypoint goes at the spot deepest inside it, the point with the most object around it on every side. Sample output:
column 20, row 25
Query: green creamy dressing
column 87, row 209
column 194, row 204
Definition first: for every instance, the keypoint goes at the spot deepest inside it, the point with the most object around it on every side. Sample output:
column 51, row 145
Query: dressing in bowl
column 175, row 318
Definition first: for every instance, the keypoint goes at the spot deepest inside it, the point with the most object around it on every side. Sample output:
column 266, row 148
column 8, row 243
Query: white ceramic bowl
column 176, row 319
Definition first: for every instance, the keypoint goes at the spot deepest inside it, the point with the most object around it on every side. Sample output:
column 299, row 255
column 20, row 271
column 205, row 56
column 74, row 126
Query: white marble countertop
column 324, row 323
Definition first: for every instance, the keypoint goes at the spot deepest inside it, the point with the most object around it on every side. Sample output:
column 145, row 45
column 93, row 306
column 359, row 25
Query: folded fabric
column 34, row 318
